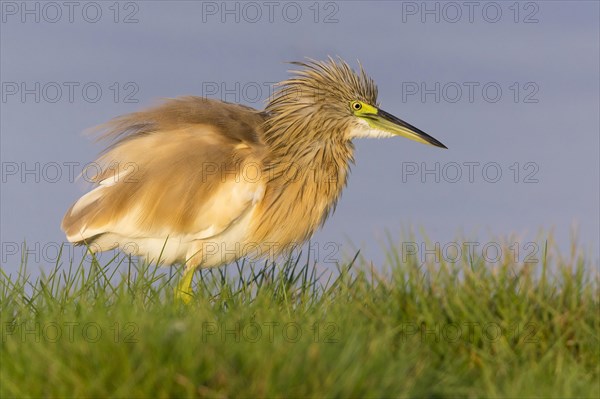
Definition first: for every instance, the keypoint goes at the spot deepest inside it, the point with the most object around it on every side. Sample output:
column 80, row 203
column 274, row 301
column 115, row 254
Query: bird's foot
column 183, row 291
column 182, row 296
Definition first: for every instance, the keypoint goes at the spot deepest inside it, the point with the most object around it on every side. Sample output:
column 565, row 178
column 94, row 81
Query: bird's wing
column 187, row 168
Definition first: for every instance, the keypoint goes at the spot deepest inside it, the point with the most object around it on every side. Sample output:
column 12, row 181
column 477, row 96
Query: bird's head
column 336, row 99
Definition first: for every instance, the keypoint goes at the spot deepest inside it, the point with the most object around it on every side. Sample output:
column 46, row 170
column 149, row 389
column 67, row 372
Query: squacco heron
column 205, row 182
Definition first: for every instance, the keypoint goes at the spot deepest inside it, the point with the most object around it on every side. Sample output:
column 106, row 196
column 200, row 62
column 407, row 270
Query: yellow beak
column 389, row 123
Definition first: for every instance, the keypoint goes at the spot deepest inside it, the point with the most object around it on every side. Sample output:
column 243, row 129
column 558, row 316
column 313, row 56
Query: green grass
column 418, row 329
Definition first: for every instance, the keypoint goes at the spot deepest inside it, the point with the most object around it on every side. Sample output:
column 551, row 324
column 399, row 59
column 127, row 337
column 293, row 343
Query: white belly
column 196, row 249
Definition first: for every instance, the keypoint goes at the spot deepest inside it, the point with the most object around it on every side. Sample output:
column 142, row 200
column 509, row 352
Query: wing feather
column 174, row 170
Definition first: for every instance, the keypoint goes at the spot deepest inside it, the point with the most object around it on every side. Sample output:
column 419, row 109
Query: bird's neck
column 304, row 184
column 322, row 166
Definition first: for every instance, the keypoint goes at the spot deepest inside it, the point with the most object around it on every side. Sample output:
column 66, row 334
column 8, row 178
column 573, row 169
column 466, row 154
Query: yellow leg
column 183, row 292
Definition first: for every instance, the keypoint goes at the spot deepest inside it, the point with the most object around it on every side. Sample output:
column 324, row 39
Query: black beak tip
column 436, row 143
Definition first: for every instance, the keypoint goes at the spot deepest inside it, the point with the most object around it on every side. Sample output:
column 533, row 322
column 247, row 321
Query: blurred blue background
column 511, row 88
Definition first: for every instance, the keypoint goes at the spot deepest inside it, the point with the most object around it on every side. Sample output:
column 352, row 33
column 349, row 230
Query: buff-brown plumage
column 205, row 182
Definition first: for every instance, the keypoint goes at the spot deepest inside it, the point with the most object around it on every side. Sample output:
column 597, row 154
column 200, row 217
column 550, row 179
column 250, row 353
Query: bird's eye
column 356, row 105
